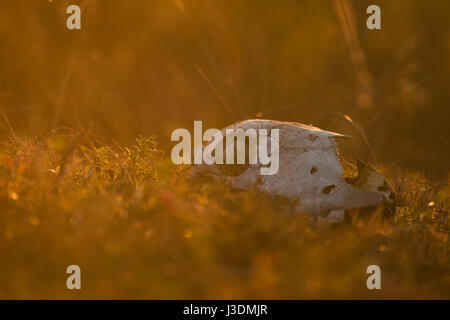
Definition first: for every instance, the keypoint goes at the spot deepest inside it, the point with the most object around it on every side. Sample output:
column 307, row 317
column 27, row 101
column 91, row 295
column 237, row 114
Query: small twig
column 358, row 127
column 9, row 124
column 216, row 91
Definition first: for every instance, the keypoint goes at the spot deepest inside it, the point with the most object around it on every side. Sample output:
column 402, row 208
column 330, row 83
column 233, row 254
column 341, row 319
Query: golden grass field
column 141, row 228
column 85, row 123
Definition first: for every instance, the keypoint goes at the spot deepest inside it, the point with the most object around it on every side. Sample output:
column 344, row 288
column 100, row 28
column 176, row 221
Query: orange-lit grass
column 139, row 227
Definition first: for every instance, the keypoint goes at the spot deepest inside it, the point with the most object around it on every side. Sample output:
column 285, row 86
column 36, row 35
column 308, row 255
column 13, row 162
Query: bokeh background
column 141, row 227
column 149, row 67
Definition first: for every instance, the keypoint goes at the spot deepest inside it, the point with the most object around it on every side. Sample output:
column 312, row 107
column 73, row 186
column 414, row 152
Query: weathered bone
column 310, row 171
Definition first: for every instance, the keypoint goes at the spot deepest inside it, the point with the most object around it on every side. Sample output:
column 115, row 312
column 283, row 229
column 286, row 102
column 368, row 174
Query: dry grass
column 141, row 228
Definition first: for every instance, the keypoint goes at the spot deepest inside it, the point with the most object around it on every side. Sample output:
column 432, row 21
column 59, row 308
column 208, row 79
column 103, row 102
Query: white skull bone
column 309, row 173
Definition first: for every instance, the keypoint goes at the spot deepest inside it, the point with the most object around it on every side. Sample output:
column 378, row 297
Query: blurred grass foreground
column 77, row 187
column 140, row 227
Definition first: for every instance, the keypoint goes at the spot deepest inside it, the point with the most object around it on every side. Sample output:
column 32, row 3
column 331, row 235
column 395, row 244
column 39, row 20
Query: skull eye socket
column 235, row 169
column 232, row 170
column 328, row 189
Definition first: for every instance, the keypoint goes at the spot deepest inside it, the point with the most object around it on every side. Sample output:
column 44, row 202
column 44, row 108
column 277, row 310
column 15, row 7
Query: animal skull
column 309, row 173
